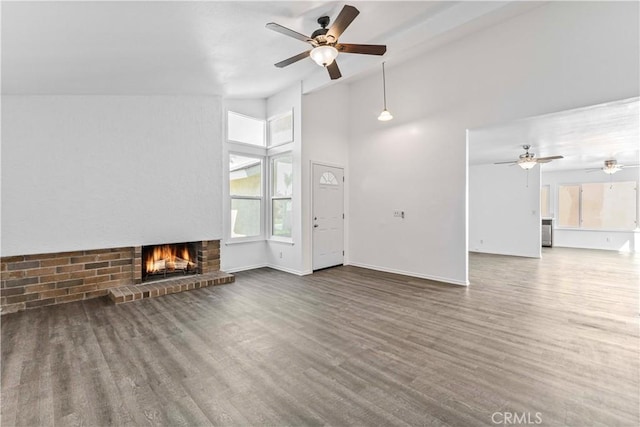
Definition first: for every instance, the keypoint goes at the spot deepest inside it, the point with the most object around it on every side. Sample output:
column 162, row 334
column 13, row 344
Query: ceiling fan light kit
column 325, row 42
column 529, row 160
column 527, row 163
column 610, row 171
column 324, row 55
column 611, row 166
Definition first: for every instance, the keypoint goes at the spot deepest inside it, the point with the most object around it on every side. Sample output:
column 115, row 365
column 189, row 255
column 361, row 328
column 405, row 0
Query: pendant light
column 385, row 115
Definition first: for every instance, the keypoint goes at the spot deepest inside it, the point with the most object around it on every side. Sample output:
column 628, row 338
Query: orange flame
column 166, row 258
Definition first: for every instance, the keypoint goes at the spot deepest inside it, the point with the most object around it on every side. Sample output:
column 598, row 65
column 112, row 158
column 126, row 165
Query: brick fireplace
column 30, row 281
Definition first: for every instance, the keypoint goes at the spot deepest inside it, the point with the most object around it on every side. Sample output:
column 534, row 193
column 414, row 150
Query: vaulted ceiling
column 223, row 48
column 209, row 47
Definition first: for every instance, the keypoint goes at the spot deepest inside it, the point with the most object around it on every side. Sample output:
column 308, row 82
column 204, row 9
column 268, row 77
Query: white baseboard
column 244, row 268
column 370, row 267
column 275, row 267
column 289, row 270
column 412, row 274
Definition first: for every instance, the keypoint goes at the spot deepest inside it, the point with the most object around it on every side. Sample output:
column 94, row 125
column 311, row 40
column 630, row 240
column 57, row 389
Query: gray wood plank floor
column 555, row 338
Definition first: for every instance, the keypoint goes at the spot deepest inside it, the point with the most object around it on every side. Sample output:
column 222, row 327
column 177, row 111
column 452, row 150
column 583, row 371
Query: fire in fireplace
column 159, row 261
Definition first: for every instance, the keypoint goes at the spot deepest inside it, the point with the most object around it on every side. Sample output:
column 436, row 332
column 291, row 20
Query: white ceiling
column 223, row 48
column 586, row 137
column 209, row 47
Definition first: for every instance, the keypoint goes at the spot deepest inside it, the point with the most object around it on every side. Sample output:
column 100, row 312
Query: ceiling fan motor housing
column 320, row 33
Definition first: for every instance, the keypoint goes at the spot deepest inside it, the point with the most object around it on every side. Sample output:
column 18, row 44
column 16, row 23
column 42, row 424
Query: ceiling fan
column 611, row 166
column 529, row 160
column 325, row 42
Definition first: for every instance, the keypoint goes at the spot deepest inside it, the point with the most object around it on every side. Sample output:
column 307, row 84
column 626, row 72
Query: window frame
column 549, row 213
column 267, row 154
column 580, row 208
column 260, row 198
column 264, row 144
column 272, row 197
column 269, row 125
column 558, row 193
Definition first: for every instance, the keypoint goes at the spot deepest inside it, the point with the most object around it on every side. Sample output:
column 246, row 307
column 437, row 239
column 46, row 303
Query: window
column 260, row 161
column 569, row 206
column 246, row 130
column 328, row 178
column 545, row 212
column 281, row 129
column 245, row 190
column 598, row 206
column 281, row 192
column 609, row 206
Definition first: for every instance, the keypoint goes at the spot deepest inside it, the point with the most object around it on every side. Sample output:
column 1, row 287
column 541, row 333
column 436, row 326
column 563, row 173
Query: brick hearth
column 168, row 286
column 30, row 281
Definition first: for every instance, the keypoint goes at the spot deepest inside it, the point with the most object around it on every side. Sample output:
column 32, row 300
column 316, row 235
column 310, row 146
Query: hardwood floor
column 553, row 340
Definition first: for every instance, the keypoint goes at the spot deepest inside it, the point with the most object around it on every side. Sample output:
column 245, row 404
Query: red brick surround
column 30, row 281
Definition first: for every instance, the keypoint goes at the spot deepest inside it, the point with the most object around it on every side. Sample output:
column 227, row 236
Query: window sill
column 281, row 241
column 239, row 242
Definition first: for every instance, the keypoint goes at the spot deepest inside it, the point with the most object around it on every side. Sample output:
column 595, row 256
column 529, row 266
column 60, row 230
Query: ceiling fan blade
column 548, row 159
column 334, row 71
column 630, row 166
column 593, row 170
column 366, row 49
column 288, row 32
column 504, row 163
column 293, row 59
column 344, row 19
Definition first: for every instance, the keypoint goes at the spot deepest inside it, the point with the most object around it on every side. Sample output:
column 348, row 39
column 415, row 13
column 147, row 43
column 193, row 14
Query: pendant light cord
column 384, row 87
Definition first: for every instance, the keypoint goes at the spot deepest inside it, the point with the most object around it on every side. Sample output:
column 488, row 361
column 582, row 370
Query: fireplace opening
column 161, row 261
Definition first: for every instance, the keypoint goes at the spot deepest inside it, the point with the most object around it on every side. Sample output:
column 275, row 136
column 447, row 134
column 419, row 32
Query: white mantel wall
column 558, row 56
column 89, row 172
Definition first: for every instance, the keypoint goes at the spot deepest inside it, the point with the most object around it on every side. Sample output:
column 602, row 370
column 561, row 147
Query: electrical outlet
column 398, row 213
column 280, row 255
column 481, row 241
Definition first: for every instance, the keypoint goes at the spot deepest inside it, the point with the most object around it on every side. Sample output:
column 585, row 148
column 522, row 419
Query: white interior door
column 328, row 216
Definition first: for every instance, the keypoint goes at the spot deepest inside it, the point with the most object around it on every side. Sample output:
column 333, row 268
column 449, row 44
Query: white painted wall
column 555, row 57
column 325, row 139
column 624, row 241
column 291, row 258
column 86, row 172
column 504, row 210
